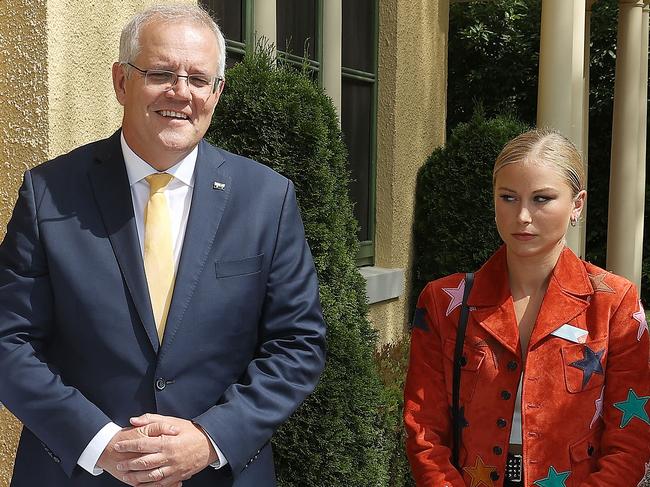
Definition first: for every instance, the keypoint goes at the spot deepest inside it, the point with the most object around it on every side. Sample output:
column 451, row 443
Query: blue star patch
column 418, row 319
column 590, row 364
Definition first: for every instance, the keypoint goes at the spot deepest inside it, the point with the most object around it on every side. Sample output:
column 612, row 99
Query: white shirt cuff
column 221, row 460
column 90, row 456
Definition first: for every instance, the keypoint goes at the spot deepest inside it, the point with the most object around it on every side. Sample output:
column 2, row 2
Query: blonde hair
column 130, row 37
column 548, row 147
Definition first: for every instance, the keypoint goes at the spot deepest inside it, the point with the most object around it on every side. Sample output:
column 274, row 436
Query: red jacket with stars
column 584, row 405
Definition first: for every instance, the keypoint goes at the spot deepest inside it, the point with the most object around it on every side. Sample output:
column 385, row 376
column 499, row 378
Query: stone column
column 643, row 127
column 332, row 48
column 264, row 16
column 561, row 79
column 622, row 217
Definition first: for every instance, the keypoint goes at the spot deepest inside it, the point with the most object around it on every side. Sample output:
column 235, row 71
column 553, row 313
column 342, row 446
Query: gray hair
column 130, row 37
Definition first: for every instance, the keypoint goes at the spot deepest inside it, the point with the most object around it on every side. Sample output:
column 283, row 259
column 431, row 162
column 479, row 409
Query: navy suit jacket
column 244, row 341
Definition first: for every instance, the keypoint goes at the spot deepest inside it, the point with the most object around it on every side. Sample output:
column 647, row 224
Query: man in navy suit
column 159, row 312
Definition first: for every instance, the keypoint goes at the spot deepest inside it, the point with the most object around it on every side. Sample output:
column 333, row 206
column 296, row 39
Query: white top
column 179, row 198
column 516, row 437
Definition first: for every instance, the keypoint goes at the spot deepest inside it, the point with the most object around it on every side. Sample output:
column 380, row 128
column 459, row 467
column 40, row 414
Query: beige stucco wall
column 411, row 122
column 55, row 93
column 23, row 134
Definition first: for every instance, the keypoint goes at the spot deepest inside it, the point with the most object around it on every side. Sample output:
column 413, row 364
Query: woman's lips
column 524, row 237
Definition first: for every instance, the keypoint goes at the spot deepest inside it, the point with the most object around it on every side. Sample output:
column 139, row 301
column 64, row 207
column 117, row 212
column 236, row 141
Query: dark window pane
column 296, row 25
column 356, row 104
column 233, row 58
column 228, row 14
column 358, row 39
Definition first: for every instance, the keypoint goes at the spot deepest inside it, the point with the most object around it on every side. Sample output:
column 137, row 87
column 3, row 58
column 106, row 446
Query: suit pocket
column 584, row 365
column 469, row 372
column 240, row 267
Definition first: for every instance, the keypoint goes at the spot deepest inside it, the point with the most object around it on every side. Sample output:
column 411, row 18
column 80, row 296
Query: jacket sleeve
column 290, row 355
column 625, row 444
column 426, row 408
column 59, row 415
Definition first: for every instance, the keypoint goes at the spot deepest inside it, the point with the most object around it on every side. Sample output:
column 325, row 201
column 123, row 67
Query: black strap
column 456, row 419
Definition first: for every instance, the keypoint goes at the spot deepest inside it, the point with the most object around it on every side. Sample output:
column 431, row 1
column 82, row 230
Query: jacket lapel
column 110, row 185
column 491, row 297
column 212, row 186
column 566, row 296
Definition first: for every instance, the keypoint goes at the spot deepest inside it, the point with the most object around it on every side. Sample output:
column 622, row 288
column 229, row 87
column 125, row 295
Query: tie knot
column 158, row 181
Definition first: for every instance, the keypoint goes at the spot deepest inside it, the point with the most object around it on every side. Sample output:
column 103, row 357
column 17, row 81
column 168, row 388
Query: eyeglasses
column 198, row 84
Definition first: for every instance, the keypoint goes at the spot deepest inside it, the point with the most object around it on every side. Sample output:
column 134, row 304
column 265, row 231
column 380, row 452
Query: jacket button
column 497, row 450
column 505, row 395
column 512, row 365
column 502, row 423
column 161, row 384
column 590, row 450
column 462, row 361
column 494, row 475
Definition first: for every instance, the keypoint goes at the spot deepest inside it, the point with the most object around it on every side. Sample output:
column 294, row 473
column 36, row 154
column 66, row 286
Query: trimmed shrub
column 277, row 116
column 454, row 226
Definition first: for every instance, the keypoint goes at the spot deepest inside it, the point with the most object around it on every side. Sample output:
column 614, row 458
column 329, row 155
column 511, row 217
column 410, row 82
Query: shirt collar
column 137, row 169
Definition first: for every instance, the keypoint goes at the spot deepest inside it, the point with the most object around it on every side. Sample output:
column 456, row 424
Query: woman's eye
column 507, row 197
column 542, row 199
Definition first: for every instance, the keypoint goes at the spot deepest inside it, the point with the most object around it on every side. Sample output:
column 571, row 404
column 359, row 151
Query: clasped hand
column 157, row 451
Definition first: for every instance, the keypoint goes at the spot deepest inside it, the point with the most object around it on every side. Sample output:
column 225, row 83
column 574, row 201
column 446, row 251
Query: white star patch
column 456, row 295
column 643, row 324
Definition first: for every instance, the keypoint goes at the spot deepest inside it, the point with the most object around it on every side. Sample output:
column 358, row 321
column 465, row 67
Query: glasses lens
column 160, row 79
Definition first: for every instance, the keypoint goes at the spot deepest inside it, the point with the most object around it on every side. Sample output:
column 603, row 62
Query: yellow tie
column 158, row 250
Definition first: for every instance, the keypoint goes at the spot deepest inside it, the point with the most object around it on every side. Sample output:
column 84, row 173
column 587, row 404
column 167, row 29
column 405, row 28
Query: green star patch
column 553, row 479
column 633, row 407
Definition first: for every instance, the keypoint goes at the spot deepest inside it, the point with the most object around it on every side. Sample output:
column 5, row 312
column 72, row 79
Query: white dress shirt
column 179, row 198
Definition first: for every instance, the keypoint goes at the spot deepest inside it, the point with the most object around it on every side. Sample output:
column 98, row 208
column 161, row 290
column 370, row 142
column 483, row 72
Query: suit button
column 494, row 475
column 161, row 384
column 497, row 450
column 505, row 395
column 512, row 365
column 463, row 361
column 502, row 423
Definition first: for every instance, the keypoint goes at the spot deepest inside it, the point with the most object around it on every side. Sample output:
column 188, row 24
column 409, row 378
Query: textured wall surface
column 23, row 134
column 411, row 122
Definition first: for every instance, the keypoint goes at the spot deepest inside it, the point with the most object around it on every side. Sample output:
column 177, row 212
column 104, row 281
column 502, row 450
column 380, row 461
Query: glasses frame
column 215, row 80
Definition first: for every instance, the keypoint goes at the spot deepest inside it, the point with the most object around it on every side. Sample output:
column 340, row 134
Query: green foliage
column 493, row 59
column 277, row 116
column 454, row 217
column 601, row 103
column 392, row 360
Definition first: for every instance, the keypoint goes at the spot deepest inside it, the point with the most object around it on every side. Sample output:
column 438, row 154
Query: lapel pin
column 218, row 186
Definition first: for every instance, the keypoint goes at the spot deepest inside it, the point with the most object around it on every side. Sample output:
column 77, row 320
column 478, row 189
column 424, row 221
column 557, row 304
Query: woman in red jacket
column 555, row 377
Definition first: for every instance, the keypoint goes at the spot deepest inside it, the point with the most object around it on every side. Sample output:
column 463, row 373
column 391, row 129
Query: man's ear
column 119, row 82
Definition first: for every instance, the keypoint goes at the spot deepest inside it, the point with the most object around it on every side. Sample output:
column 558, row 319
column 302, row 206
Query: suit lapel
column 110, row 185
column 209, row 201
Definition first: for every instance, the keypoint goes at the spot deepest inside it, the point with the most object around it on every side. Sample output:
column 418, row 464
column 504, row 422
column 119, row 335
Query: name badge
column 571, row 333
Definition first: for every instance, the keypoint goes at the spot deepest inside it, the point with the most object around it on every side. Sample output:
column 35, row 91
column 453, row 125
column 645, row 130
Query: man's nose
column 181, row 89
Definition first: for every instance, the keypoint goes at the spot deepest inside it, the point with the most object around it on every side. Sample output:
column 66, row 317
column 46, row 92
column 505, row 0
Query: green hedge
column 344, row 433
column 454, row 228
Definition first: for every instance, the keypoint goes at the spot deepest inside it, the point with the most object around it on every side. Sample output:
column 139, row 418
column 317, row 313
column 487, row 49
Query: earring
column 573, row 221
